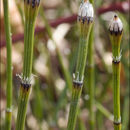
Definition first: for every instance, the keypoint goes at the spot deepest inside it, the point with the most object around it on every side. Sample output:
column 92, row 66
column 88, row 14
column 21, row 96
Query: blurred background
column 50, row 97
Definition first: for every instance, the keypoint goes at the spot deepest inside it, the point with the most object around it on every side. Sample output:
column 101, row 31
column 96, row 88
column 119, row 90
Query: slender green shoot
column 9, row 66
column 85, row 21
column 30, row 10
column 90, row 78
column 116, row 29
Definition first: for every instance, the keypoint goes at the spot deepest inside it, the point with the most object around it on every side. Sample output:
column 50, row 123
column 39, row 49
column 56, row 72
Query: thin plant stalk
column 116, row 29
column 30, row 10
column 9, row 66
column 90, row 80
column 85, row 24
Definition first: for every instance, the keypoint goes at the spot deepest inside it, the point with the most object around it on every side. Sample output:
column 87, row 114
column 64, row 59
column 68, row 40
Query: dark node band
column 84, row 19
column 28, row 1
column 115, row 61
column 77, row 83
column 116, row 32
column 116, row 123
column 33, row 2
column 25, row 85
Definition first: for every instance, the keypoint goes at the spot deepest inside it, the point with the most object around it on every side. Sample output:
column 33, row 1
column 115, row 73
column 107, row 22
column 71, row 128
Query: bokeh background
column 50, row 98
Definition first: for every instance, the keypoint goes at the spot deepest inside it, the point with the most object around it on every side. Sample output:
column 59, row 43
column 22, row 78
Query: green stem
column 9, row 66
column 30, row 10
column 27, row 69
column 115, row 38
column 90, row 80
column 76, row 92
column 77, row 88
column 28, row 47
column 22, row 107
column 116, row 85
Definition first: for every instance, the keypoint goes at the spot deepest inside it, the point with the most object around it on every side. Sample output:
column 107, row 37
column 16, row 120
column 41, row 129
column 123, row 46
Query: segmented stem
column 116, row 29
column 30, row 10
column 116, row 85
column 22, row 107
column 90, row 80
column 78, row 80
column 76, row 92
column 9, row 66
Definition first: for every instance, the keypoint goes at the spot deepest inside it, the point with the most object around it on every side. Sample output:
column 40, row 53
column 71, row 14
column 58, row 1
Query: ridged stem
column 79, row 74
column 116, row 30
column 116, row 65
column 76, row 92
column 116, row 85
column 22, row 107
column 30, row 10
column 27, row 69
column 90, row 77
column 90, row 80
column 9, row 66
column 28, row 48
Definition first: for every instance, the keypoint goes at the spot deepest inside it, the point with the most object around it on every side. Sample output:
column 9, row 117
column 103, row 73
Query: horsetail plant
column 90, row 77
column 9, row 66
column 85, row 21
column 30, row 11
column 116, row 30
column 90, row 80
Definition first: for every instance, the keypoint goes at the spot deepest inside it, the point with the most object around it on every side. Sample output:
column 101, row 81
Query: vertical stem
column 77, row 85
column 27, row 69
column 90, row 77
column 30, row 10
column 115, row 37
column 22, row 107
column 116, row 85
column 28, row 47
column 9, row 66
column 90, row 80
column 85, row 24
column 76, row 92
